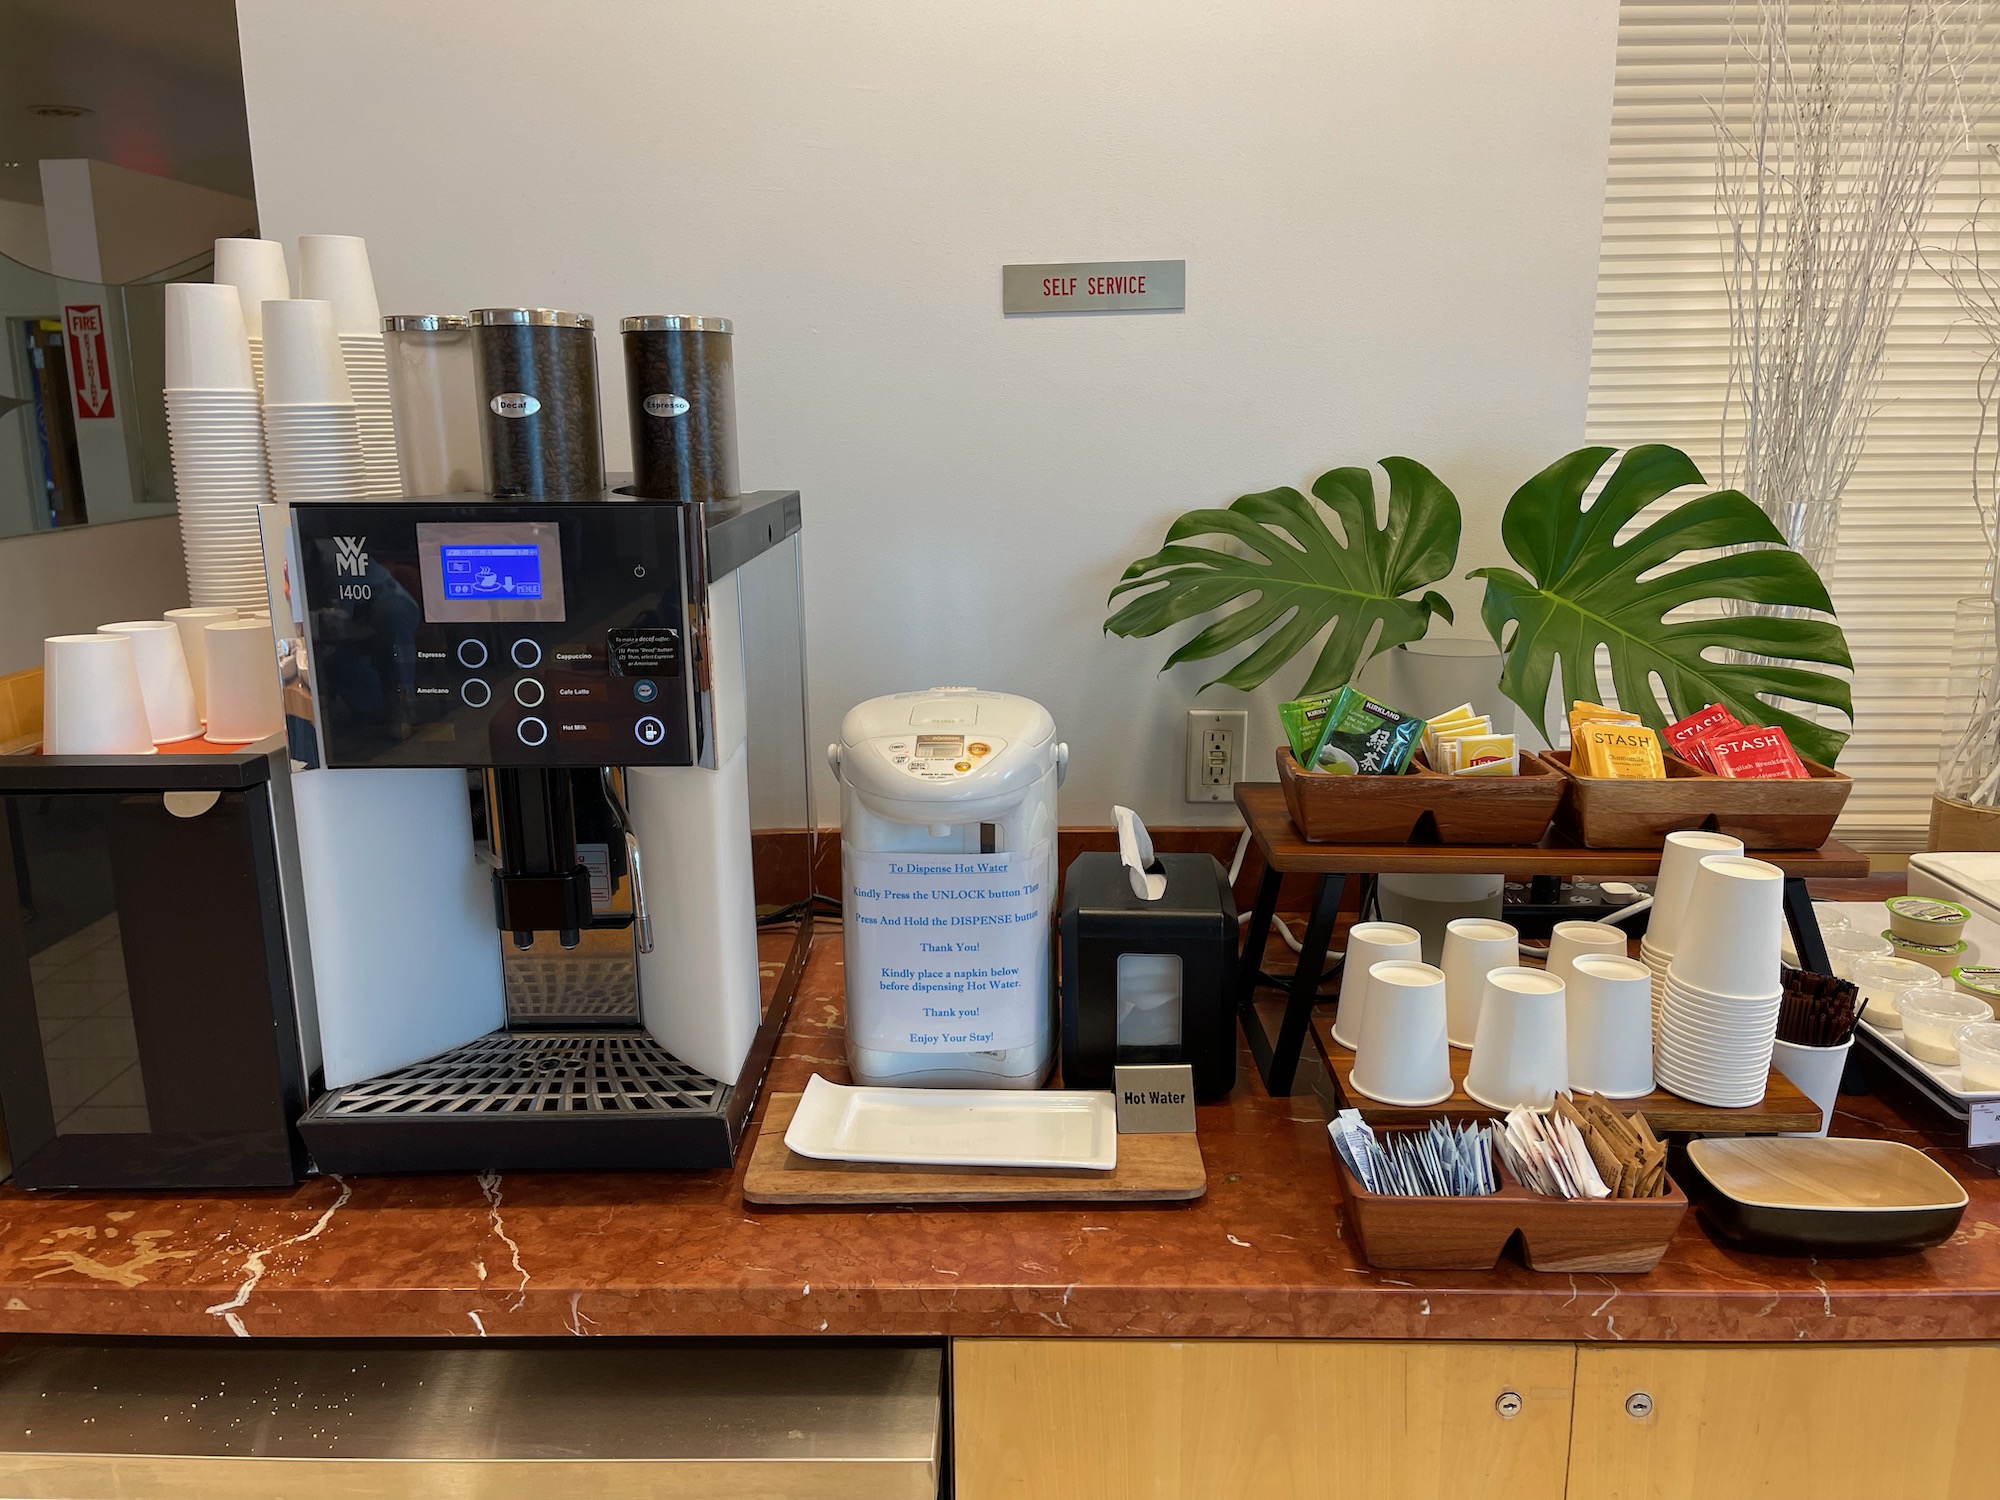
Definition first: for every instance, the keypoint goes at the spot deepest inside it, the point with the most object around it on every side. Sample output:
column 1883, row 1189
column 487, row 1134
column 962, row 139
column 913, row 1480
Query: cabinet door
column 1045, row 1419
column 1719, row 1422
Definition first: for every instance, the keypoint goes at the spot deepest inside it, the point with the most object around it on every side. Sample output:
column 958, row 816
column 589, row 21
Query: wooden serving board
column 1783, row 1107
column 1151, row 1168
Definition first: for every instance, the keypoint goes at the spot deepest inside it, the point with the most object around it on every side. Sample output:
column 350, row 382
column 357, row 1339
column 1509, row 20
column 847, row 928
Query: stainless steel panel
column 1094, row 286
column 602, row 1418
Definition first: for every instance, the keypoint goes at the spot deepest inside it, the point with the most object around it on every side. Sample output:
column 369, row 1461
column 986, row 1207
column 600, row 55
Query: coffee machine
column 537, row 731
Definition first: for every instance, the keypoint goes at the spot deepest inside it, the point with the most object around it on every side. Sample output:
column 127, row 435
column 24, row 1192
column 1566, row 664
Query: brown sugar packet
column 1656, row 1158
column 1610, row 1162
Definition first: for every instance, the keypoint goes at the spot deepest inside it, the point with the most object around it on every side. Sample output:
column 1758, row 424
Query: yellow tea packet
column 1582, row 714
column 1442, row 747
column 1623, row 752
column 1484, row 755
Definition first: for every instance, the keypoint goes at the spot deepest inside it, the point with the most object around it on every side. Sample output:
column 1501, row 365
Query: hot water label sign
column 89, row 359
column 953, row 948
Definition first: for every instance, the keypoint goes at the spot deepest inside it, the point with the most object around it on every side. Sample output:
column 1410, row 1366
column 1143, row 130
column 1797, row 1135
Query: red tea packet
column 1685, row 737
column 1746, row 753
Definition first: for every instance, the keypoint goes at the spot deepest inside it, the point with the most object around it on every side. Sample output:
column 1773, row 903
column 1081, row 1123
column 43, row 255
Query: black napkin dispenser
column 1148, row 981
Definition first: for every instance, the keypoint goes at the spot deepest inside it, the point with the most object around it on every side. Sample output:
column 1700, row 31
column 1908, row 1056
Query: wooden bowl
column 1421, row 805
column 1765, row 813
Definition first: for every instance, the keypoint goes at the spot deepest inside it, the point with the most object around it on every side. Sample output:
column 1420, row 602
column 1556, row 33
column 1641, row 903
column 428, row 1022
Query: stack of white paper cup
column 256, row 268
column 1520, row 1058
column 1720, row 1015
column 1368, row 944
column 245, row 701
column 308, row 410
column 194, row 646
column 92, row 703
column 1679, row 857
column 164, row 684
column 217, row 443
column 334, row 268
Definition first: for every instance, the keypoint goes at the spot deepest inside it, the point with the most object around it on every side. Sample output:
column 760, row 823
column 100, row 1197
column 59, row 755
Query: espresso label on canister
column 514, row 404
column 667, row 405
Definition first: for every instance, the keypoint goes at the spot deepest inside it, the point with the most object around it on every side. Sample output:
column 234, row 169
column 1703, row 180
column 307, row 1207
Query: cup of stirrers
column 1818, row 1010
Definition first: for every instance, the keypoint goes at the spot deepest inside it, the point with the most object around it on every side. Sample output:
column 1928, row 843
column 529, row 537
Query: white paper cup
column 334, row 268
column 244, row 702
column 1473, row 948
column 206, row 347
column 256, row 268
column 194, row 645
column 1368, row 944
column 1732, row 936
column 91, row 700
column 1609, row 1019
column 1570, row 939
column 1816, row 1071
column 1403, row 1057
column 1680, row 856
column 1521, row 1054
column 164, row 684
column 302, row 363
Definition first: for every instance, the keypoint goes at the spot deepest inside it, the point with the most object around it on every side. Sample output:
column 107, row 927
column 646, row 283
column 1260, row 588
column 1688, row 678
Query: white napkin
column 1135, row 852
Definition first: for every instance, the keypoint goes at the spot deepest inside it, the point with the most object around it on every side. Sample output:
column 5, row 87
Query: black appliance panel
column 494, row 634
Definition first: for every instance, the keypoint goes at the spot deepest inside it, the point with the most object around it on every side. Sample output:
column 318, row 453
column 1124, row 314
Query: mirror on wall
column 83, row 436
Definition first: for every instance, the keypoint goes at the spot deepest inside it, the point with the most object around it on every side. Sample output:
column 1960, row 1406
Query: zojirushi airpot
column 948, row 837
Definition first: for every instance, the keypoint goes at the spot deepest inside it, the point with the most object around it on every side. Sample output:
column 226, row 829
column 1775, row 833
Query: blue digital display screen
column 491, row 571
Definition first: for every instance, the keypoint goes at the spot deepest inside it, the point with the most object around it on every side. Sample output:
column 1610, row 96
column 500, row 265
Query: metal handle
column 641, row 919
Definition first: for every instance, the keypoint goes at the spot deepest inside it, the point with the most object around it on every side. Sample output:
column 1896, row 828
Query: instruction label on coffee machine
column 947, row 952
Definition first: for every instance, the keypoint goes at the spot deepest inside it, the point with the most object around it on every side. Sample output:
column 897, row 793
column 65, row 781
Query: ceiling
column 163, row 79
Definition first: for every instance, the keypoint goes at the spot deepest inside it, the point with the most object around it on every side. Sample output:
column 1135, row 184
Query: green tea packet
column 1301, row 719
column 1361, row 737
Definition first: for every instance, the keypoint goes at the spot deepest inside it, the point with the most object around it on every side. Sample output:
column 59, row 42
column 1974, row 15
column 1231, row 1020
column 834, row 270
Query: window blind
column 1911, row 542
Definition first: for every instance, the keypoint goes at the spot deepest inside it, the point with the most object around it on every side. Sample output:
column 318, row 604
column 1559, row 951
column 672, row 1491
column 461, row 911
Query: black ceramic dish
column 1822, row 1197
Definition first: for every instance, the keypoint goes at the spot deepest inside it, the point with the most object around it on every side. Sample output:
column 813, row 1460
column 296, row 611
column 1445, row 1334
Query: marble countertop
column 1261, row 1255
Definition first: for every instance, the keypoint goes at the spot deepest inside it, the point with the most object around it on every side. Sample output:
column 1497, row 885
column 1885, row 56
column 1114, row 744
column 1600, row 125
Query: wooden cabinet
column 1047, row 1419
column 1846, row 1422
column 1148, row 1419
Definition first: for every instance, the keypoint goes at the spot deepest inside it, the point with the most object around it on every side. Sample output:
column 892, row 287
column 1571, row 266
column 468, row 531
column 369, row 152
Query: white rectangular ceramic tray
column 1934, row 1076
column 1052, row 1128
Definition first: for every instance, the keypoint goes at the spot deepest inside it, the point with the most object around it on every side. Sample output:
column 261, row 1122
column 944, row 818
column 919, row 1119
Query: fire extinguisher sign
column 89, row 359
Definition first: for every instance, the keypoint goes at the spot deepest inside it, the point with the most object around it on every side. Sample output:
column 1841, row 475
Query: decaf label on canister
column 667, row 405
column 514, row 404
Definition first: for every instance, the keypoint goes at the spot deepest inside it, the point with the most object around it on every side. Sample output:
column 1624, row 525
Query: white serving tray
column 956, row 1127
column 1936, row 1078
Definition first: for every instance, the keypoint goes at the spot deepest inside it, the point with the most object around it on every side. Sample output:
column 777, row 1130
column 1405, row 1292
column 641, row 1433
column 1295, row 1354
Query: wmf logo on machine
column 350, row 559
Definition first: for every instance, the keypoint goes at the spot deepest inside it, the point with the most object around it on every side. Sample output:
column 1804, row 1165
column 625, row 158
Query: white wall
column 1390, row 214
column 24, row 234
column 76, row 579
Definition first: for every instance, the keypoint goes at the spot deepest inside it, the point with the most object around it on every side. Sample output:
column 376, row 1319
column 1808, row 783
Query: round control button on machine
column 645, row 689
column 475, row 692
column 528, row 693
column 527, row 653
column 650, row 730
column 532, row 731
column 472, row 654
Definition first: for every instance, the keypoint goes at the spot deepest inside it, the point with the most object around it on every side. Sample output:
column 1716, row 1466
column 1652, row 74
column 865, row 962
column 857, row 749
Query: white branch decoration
column 1829, row 156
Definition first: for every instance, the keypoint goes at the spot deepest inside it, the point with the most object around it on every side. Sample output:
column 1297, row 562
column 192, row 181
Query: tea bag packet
column 1301, row 719
column 1450, row 719
column 1747, row 752
column 1361, row 737
column 1685, row 736
column 1623, row 752
column 1582, row 715
column 1445, row 742
column 1485, row 755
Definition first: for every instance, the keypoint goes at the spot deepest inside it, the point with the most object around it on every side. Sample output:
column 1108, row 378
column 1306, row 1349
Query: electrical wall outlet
column 1215, row 748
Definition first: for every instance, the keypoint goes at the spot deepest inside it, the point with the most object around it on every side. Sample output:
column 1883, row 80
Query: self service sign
column 1095, row 286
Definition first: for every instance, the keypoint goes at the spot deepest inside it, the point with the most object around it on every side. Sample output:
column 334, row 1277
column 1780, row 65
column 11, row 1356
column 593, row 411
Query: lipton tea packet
column 1623, row 752
column 1301, row 719
column 1443, row 743
column 1360, row 737
column 1685, row 737
column 1439, row 723
column 1745, row 753
column 1484, row 755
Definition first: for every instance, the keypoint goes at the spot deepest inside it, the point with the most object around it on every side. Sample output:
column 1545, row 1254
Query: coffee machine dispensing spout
column 614, row 798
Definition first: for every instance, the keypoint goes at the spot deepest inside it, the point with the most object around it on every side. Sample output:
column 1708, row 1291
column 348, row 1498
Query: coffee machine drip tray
column 525, row 1099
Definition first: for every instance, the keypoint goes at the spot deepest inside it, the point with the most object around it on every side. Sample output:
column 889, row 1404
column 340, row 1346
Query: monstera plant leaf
column 1301, row 579
column 1585, row 589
